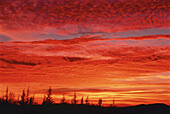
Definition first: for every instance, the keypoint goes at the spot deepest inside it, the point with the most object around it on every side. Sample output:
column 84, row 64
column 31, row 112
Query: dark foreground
column 83, row 109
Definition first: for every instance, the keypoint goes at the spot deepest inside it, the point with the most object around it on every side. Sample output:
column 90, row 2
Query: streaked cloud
column 115, row 48
column 39, row 20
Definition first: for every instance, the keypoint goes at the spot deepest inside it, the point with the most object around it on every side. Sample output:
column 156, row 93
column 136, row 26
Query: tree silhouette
column 87, row 100
column 6, row 96
column 82, row 100
column 11, row 97
column 63, row 100
column 44, row 100
column 48, row 99
column 23, row 97
column 100, row 102
column 2, row 100
column 31, row 100
column 27, row 97
column 74, row 101
column 114, row 104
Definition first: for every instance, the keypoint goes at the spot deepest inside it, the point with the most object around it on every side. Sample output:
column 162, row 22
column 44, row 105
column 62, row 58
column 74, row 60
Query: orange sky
column 132, row 74
column 97, row 48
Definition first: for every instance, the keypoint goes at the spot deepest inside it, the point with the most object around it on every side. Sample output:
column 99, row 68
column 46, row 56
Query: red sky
column 102, row 49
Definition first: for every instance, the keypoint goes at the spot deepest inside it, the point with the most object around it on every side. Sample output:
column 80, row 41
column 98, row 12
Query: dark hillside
column 83, row 109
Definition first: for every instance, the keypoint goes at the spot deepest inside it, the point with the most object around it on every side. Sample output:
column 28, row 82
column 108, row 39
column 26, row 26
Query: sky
column 109, row 49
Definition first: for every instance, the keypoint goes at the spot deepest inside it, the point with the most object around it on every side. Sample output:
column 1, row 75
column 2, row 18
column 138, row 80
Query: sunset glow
column 109, row 49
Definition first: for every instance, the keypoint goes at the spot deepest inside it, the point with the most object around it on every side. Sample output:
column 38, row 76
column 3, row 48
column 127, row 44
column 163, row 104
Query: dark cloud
column 4, row 38
column 35, row 14
column 138, row 33
column 97, row 90
column 73, row 59
column 68, row 90
column 18, row 62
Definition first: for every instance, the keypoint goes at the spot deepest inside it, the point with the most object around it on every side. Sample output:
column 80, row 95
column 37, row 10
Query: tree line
column 26, row 99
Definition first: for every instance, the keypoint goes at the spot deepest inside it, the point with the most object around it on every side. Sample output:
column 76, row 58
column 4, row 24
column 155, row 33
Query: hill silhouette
column 82, row 109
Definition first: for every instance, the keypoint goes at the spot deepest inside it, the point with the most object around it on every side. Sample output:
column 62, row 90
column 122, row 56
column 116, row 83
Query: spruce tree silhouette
column 6, row 96
column 100, row 102
column 23, row 98
column 81, row 100
column 114, row 104
column 11, row 97
column 63, row 100
column 27, row 97
column 48, row 100
column 31, row 100
column 74, row 101
column 87, row 100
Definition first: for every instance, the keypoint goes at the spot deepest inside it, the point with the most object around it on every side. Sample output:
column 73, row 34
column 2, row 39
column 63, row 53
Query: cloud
column 158, row 39
column 4, row 38
column 151, row 32
column 150, row 49
column 17, row 62
column 131, row 90
column 100, row 60
column 146, row 80
column 73, row 59
column 39, row 20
